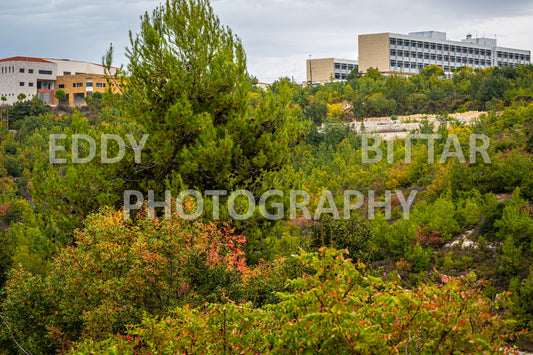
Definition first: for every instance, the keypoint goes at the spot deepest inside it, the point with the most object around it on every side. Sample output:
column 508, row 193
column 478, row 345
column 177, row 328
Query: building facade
column 322, row 70
column 42, row 77
column 28, row 76
column 78, row 86
column 409, row 54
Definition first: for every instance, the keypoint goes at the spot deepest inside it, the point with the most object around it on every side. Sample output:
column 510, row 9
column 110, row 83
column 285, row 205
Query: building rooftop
column 25, row 59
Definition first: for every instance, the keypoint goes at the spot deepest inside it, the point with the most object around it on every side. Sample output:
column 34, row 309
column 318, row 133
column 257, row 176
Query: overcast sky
column 278, row 35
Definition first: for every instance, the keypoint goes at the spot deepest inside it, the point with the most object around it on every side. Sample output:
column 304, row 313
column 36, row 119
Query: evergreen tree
column 189, row 88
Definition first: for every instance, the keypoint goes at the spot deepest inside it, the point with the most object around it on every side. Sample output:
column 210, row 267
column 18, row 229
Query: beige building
column 409, row 54
column 322, row 70
column 79, row 86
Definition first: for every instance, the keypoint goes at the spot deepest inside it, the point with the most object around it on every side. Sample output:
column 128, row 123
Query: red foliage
column 428, row 238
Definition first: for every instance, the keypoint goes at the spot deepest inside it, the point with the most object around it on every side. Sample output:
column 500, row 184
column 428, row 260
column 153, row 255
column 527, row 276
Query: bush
column 13, row 166
column 354, row 234
column 338, row 309
column 22, row 109
column 120, row 270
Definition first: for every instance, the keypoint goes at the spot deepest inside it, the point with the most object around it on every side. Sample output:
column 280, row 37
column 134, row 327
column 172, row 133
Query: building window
column 30, row 85
column 66, row 73
column 61, row 86
column 21, row 83
column 89, row 84
column 77, row 73
column 30, row 71
column 79, row 85
column 45, row 72
column 99, row 85
column 21, row 70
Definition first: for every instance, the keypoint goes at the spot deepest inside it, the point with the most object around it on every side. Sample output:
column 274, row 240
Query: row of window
column 507, row 64
column 441, row 58
column 339, row 76
column 80, row 85
column 457, row 49
column 452, row 58
column 407, row 66
column 11, row 69
column 400, row 53
column 515, row 56
column 438, row 46
column 345, row 66
column 70, row 73
column 8, row 69
column 76, row 85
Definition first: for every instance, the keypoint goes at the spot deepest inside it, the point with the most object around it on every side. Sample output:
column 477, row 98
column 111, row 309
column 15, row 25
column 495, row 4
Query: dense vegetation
column 77, row 277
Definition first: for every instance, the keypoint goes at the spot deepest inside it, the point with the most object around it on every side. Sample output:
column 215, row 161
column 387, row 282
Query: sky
column 278, row 35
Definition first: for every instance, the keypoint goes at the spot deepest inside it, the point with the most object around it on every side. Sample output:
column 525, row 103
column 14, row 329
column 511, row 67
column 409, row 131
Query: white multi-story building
column 75, row 67
column 38, row 76
column 409, row 54
column 28, row 76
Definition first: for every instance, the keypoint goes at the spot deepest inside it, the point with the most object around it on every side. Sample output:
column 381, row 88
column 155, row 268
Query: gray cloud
column 278, row 35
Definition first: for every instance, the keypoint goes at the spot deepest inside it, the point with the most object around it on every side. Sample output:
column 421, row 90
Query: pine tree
column 189, row 88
